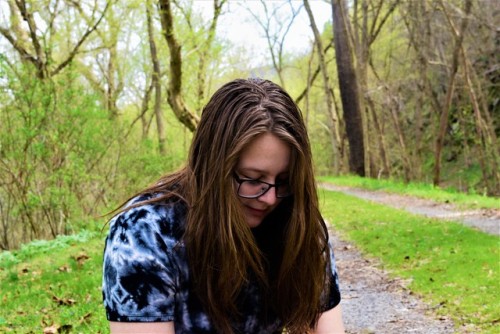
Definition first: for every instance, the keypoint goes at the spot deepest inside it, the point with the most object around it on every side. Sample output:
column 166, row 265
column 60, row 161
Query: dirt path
column 374, row 303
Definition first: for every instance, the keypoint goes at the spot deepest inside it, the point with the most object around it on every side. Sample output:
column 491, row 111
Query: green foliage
column 144, row 166
column 43, row 247
column 53, row 139
column 53, row 284
column 65, row 159
column 451, row 266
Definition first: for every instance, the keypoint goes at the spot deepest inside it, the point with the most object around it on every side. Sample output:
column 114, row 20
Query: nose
column 269, row 197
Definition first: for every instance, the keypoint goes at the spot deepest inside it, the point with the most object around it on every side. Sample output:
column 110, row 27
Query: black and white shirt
column 146, row 274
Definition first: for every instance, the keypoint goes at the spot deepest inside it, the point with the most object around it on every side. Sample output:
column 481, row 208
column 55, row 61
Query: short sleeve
column 333, row 297
column 140, row 277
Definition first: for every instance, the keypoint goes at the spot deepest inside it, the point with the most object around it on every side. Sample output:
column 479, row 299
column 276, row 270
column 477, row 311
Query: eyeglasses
column 251, row 188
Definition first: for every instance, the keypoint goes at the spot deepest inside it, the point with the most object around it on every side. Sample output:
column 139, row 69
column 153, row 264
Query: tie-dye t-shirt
column 146, row 274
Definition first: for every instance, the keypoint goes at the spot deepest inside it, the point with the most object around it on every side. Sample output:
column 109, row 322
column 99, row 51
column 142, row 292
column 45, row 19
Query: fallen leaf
column 64, row 269
column 63, row 301
column 51, row 329
column 81, row 258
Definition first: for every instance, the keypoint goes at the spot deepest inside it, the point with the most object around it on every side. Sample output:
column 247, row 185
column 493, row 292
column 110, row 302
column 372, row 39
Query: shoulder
column 144, row 223
column 142, row 266
column 144, row 211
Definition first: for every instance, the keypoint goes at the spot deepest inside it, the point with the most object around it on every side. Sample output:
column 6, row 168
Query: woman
column 234, row 242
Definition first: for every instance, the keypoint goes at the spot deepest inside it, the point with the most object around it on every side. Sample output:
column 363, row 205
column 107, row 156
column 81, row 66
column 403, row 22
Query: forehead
column 266, row 154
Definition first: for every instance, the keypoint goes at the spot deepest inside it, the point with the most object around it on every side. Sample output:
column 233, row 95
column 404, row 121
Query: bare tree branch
column 73, row 52
column 17, row 46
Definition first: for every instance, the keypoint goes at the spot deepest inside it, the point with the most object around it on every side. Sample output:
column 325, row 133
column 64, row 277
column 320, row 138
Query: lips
column 256, row 212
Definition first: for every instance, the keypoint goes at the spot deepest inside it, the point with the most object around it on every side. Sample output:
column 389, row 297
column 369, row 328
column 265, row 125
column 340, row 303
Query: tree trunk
column 111, row 89
column 311, row 77
column 443, row 120
column 205, row 52
column 385, row 169
column 348, row 90
column 156, row 84
column 333, row 115
column 144, row 109
column 395, row 111
column 489, row 155
column 174, row 90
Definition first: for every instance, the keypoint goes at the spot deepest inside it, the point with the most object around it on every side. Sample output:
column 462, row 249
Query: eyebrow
column 257, row 170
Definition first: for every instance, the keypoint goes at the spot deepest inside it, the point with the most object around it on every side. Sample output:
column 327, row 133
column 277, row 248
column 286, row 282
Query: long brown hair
column 222, row 250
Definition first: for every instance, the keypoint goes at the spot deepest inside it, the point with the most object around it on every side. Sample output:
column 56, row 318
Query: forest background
column 99, row 98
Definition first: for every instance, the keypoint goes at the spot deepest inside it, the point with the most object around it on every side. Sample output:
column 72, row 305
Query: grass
column 49, row 285
column 422, row 190
column 57, row 284
column 452, row 267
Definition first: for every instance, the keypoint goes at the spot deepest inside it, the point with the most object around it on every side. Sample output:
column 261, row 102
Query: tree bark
column 311, row 77
column 174, row 90
column 145, row 123
column 489, row 155
column 443, row 120
column 395, row 110
column 332, row 113
column 348, row 90
column 204, row 54
column 385, row 169
column 160, row 127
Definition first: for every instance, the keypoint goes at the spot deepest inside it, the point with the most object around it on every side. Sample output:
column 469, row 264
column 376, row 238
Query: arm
column 142, row 328
column 330, row 322
column 140, row 279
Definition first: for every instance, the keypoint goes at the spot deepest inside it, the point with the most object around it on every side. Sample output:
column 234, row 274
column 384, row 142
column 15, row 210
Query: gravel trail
column 486, row 220
column 373, row 302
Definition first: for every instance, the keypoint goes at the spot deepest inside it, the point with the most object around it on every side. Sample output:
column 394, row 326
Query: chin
column 253, row 221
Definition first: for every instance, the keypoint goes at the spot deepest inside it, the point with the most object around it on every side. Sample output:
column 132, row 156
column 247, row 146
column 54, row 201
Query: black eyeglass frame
column 240, row 181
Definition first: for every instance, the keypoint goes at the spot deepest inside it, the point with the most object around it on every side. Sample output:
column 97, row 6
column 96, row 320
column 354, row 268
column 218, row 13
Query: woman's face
column 267, row 159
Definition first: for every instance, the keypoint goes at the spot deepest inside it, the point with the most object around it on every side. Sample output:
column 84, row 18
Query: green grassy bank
column 56, row 285
column 452, row 267
column 53, row 285
column 422, row 190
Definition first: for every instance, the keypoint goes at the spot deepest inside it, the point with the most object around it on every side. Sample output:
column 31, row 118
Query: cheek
column 243, row 201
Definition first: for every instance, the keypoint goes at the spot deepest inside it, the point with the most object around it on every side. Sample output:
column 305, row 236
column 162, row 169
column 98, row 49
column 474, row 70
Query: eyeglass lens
column 255, row 188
